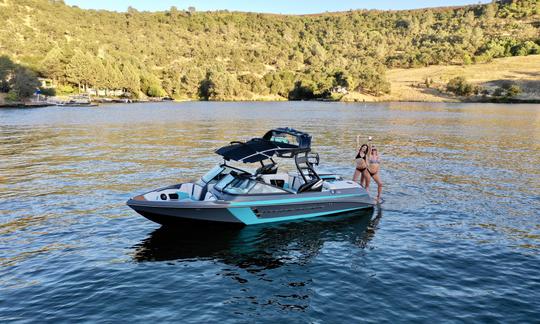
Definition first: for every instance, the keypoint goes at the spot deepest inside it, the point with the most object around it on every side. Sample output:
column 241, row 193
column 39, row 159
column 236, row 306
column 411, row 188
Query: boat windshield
column 212, row 173
column 219, row 172
column 224, row 182
column 245, row 186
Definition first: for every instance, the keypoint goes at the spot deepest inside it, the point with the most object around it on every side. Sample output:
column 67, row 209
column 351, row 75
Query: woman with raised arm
column 361, row 162
column 373, row 167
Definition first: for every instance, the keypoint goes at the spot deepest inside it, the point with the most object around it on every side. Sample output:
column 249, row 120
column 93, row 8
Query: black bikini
column 358, row 157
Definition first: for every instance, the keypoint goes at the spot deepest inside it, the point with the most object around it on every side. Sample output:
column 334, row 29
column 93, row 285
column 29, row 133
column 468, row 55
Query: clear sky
column 273, row 6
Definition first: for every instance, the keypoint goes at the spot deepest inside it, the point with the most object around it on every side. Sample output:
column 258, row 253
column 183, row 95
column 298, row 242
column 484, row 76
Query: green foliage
column 507, row 90
column 24, row 82
column 4, row 86
column 525, row 48
column 12, row 96
column 467, row 60
column 6, row 67
column 54, row 63
column 460, row 87
column 151, row 86
column 314, row 56
column 155, row 91
column 513, row 90
column 47, row 91
column 301, row 91
column 17, row 80
column 65, row 89
column 131, row 79
column 206, row 87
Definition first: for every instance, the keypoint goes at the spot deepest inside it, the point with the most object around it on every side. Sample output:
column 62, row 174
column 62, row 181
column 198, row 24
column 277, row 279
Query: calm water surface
column 458, row 238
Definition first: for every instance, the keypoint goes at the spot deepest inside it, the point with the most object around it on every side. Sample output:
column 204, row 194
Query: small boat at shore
column 231, row 195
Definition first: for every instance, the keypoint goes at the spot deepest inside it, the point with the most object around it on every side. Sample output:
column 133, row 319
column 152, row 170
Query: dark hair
column 360, row 150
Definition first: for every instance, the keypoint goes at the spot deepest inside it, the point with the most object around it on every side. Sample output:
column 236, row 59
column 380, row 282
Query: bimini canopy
column 283, row 142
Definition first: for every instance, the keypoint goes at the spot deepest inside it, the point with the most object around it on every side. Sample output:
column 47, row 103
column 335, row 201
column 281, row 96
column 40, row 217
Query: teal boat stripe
column 288, row 201
column 248, row 217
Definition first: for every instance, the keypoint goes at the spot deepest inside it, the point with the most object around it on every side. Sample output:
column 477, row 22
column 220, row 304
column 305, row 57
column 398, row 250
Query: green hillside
column 233, row 55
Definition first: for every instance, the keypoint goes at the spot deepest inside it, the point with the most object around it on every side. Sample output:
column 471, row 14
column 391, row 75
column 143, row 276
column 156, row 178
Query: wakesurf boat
column 229, row 194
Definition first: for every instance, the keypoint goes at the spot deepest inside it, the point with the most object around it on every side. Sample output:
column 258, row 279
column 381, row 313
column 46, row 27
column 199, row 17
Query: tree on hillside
column 24, row 82
column 131, row 79
column 460, row 86
column 17, row 79
column 489, row 12
column 80, row 70
column 6, row 67
column 301, row 91
column 151, row 86
column 207, row 87
column 113, row 77
column 53, row 65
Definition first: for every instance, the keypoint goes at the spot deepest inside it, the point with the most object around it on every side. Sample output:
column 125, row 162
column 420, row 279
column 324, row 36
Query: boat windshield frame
column 219, row 169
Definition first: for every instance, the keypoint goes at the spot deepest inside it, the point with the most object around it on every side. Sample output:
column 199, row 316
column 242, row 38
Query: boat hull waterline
column 250, row 212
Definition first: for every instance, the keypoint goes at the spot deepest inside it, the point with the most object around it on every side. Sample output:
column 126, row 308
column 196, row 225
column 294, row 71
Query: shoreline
column 493, row 101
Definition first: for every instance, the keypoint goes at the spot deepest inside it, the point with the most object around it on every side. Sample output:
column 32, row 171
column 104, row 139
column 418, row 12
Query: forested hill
column 228, row 55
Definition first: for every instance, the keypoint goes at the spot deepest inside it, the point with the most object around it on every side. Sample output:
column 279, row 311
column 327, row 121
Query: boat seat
column 187, row 188
column 209, row 196
column 198, row 192
column 295, row 182
column 278, row 180
column 315, row 185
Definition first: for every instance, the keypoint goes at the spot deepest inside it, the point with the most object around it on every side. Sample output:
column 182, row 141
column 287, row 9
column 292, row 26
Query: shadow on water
column 256, row 248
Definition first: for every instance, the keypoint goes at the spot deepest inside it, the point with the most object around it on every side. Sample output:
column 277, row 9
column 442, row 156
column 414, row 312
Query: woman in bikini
column 373, row 166
column 361, row 163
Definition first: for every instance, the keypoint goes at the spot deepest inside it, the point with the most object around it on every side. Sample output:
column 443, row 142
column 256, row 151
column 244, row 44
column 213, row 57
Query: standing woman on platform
column 373, row 168
column 361, row 163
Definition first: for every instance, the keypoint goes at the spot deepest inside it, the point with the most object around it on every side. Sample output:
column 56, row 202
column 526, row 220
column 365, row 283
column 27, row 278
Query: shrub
column 507, row 89
column 11, row 96
column 513, row 91
column 50, row 92
column 499, row 92
column 155, row 91
column 65, row 89
column 4, row 86
column 525, row 48
column 460, row 86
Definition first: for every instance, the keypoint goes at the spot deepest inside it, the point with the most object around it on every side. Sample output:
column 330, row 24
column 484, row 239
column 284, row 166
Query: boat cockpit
column 226, row 180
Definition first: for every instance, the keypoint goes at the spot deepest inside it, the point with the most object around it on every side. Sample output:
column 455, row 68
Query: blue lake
column 457, row 239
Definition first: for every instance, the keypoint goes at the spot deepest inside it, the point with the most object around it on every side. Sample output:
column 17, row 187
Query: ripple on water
column 457, row 238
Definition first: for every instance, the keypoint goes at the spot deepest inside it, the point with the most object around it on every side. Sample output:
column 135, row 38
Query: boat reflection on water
column 255, row 248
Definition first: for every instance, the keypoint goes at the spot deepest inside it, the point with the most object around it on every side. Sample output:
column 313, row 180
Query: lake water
column 457, row 239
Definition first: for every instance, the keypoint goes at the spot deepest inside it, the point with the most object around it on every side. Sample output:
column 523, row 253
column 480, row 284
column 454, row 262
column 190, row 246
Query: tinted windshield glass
column 224, row 182
column 246, row 186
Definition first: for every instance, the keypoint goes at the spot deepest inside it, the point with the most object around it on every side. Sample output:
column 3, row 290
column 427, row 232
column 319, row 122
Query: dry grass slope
column 409, row 84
